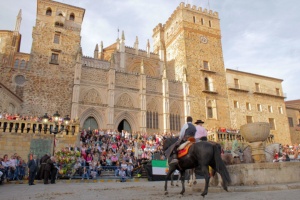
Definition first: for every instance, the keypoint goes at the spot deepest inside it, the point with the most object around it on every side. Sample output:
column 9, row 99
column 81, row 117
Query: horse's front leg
column 171, row 170
column 182, row 173
column 172, row 177
column 206, row 177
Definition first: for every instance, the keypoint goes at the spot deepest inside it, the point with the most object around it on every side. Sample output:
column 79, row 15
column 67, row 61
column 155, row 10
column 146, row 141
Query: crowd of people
column 286, row 153
column 16, row 168
column 121, row 152
column 110, row 150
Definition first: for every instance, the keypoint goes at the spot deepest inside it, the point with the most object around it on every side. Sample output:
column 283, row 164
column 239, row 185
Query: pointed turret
column 148, row 48
column 123, row 36
column 96, row 51
column 18, row 22
column 136, row 45
column 101, row 53
column 122, row 43
column 101, row 46
column 142, row 67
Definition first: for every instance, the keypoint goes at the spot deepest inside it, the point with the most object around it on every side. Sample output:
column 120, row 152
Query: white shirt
column 183, row 129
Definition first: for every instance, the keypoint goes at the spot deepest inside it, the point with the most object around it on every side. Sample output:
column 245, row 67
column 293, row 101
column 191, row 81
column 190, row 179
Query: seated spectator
column 114, row 159
column 276, row 156
column 122, row 174
column 99, row 168
column 130, row 169
column 124, row 166
column 77, row 169
column 85, row 173
column 89, row 159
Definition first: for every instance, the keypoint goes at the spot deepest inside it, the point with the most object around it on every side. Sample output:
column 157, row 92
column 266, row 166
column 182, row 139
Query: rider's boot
column 174, row 160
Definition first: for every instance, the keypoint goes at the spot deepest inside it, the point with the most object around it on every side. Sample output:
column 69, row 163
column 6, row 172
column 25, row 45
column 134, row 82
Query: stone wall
column 9, row 102
column 264, row 173
column 244, row 100
column 26, row 141
column 294, row 114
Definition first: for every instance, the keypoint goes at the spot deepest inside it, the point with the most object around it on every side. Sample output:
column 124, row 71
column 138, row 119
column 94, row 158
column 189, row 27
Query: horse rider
column 201, row 133
column 188, row 130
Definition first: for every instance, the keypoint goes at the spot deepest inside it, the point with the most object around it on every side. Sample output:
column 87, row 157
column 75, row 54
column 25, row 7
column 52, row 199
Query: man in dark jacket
column 42, row 166
column 188, row 130
column 32, row 167
column 47, row 170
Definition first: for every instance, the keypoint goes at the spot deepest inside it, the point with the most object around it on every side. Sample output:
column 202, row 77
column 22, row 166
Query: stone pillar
column 122, row 51
column 186, row 98
column 143, row 101
column 166, row 112
column 111, row 97
column 76, row 87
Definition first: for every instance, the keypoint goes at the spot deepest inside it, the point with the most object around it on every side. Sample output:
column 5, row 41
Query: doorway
column 124, row 125
column 90, row 122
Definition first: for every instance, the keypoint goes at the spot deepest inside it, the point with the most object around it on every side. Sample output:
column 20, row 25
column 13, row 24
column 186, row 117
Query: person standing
column 54, row 169
column 201, row 133
column 42, row 166
column 48, row 167
column 32, row 167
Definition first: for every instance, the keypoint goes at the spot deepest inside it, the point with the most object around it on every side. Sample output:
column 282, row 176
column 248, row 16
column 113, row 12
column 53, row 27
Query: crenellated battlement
column 186, row 7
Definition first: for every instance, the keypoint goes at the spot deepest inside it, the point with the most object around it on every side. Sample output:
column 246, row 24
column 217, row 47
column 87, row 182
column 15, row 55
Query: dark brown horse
column 200, row 156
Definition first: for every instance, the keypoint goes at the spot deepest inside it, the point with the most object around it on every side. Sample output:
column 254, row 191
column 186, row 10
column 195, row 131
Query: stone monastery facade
column 124, row 87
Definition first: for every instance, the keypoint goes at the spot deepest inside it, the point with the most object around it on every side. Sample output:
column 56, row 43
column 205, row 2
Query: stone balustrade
column 33, row 127
column 231, row 136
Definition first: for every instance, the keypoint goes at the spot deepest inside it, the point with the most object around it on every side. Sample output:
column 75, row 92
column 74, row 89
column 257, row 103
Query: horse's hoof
column 166, row 192
column 177, row 185
column 172, row 184
column 203, row 194
column 195, row 182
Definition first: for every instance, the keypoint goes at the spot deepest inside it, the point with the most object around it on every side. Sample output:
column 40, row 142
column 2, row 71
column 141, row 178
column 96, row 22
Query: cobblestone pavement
column 142, row 190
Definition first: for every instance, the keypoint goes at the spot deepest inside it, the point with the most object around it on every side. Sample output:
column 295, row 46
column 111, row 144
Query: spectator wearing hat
column 201, row 133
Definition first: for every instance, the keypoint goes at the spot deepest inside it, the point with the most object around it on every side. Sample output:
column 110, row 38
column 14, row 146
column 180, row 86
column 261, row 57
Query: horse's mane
column 168, row 142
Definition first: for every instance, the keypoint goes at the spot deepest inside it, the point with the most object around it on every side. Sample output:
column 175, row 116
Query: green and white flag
column 159, row 167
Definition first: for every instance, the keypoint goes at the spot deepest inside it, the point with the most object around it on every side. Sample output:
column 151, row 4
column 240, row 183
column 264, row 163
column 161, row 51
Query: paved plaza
column 71, row 190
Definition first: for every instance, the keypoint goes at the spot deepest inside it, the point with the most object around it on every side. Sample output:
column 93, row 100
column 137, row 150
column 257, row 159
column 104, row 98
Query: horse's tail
column 220, row 166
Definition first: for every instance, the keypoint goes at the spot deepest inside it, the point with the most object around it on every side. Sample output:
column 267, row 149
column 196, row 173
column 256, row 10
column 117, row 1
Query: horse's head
column 167, row 142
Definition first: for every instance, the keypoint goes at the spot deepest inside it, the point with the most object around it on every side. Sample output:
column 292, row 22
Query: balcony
column 239, row 88
column 210, row 91
column 207, row 70
column 268, row 92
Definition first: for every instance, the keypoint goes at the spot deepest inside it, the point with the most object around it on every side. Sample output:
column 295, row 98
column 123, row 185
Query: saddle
column 183, row 149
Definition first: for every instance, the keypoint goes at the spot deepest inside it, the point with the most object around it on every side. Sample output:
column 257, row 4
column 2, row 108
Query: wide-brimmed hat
column 199, row 121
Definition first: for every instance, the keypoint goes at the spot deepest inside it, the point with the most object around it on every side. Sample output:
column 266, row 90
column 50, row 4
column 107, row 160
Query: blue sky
column 260, row 37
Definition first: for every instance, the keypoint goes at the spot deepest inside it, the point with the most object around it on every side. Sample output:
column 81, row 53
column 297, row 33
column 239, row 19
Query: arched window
column 49, row 12
column 72, row 17
column 23, row 64
column 175, row 122
column 16, row 65
column 202, row 21
column 209, row 23
column 60, row 14
column 194, row 19
column 152, row 120
column 211, row 109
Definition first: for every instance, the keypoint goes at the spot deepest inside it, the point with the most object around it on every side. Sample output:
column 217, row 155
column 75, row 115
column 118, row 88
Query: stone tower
column 192, row 41
column 56, row 43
